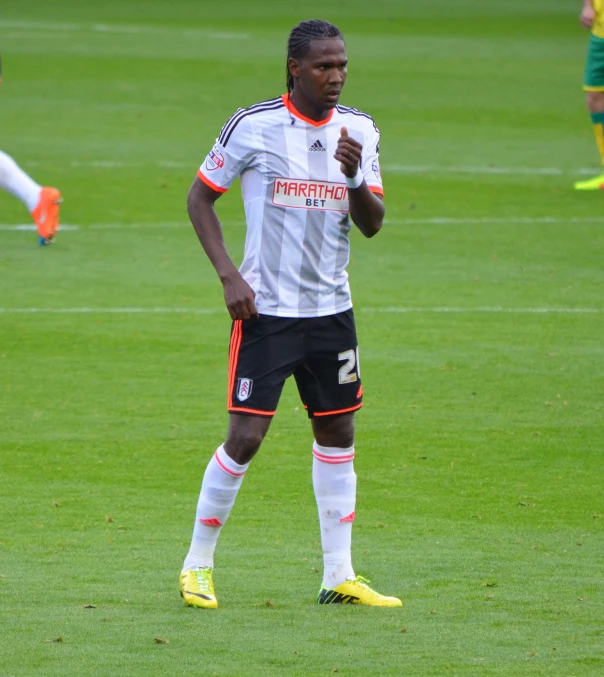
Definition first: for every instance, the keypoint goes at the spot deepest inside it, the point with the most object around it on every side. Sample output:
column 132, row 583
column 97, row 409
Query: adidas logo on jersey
column 317, row 147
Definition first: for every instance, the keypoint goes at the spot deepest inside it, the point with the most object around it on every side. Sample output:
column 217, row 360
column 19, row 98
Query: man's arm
column 588, row 14
column 366, row 209
column 238, row 295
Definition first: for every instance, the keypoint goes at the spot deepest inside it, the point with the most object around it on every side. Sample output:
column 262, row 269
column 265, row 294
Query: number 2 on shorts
column 347, row 373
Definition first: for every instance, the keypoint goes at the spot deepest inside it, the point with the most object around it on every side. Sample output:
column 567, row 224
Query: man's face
column 321, row 73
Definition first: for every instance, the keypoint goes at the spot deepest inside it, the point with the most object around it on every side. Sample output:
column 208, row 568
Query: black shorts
column 321, row 352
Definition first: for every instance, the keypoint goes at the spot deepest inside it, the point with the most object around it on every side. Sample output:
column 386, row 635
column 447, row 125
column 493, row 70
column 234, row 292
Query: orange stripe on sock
column 334, row 460
column 226, row 470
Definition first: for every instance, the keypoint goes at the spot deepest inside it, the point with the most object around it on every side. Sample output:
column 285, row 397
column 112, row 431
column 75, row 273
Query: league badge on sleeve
column 375, row 166
column 244, row 388
column 215, row 159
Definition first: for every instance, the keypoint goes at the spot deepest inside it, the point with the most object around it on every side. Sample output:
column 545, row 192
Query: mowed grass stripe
column 479, row 170
column 428, row 221
column 220, row 311
column 49, row 29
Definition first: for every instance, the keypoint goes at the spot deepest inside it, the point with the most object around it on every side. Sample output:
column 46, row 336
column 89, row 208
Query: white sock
column 221, row 482
column 16, row 181
column 335, row 485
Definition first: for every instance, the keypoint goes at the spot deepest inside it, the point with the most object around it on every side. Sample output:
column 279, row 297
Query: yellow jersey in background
column 598, row 27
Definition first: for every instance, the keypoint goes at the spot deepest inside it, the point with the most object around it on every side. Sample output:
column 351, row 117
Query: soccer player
column 307, row 167
column 42, row 202
column 592, row 17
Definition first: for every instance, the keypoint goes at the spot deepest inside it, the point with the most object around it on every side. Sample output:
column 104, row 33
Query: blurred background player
column 592, row 18
column 308, row 167
column 42, row 202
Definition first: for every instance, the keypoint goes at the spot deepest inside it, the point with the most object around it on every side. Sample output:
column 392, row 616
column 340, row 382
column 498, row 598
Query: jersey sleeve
column 230, row 155
column 370, row 163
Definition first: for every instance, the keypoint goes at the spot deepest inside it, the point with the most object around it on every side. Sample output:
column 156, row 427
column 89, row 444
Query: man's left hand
column 348, row 153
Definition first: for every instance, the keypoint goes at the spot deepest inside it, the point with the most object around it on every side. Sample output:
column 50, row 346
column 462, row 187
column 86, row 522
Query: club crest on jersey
column 308, row 194
column 244, row 388
column 215, row 159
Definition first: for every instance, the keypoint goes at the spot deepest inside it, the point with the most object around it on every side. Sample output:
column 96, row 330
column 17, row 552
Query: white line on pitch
column 112, row 311
column 465, row 169
column 428, row 221
column 105, row 226
column 387, row 169
column 113, row 164
column 31, row 226
column 117, row 164
column 220, row 311
column 137, row 226
column 462, row 220
column 488, row 309
column 121, row 29
column 115, row 226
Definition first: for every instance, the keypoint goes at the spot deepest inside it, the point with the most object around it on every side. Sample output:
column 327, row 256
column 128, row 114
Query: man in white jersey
column 307, row 166
column 42, row 202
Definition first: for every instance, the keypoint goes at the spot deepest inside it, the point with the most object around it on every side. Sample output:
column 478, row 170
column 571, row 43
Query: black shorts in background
column 321, row 352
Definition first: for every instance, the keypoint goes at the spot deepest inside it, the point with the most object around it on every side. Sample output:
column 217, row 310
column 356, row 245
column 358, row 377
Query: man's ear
column 294, row 67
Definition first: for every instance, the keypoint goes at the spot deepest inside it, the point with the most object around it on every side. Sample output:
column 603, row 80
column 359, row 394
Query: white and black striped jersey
column 296, row 202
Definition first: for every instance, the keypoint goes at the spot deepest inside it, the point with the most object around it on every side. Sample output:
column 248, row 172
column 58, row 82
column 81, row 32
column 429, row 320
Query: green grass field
column 480, row 312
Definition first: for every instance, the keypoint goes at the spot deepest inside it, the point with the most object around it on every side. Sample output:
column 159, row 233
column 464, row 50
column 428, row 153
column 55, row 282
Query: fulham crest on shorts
column 244, row 388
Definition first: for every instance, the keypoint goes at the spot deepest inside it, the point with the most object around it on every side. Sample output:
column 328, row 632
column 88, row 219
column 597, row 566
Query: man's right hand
column 587, row 16
column 239, row 298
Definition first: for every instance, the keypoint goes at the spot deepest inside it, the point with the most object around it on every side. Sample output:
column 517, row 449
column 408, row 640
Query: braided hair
column 300, row 38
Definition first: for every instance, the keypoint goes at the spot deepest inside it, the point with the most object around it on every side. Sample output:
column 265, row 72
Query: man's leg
column 593, row 83
column 16, row 181
column 221, row 482
column 335, row 482
column 42, row 202
column 595, row 105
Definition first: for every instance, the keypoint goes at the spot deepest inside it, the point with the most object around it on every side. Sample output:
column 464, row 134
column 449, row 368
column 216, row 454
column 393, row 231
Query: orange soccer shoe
column 46, row 214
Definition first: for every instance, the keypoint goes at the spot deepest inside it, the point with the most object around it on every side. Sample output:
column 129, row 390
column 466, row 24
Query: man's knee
column 595, row 102
column 245, row 436
column 334, row 431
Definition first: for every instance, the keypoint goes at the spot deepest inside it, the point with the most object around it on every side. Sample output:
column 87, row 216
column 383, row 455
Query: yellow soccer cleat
column 197, row 588
column 356, row 591
column 597, row 183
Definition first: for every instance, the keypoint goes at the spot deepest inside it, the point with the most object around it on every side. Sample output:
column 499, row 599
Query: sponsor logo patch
column 244, row 388
column 317, row 147
column 215, row 159
column 308, row 194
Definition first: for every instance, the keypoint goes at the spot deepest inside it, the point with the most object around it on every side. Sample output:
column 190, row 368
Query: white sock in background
column 221, row 482
column 335, row 485
column 16, row 181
